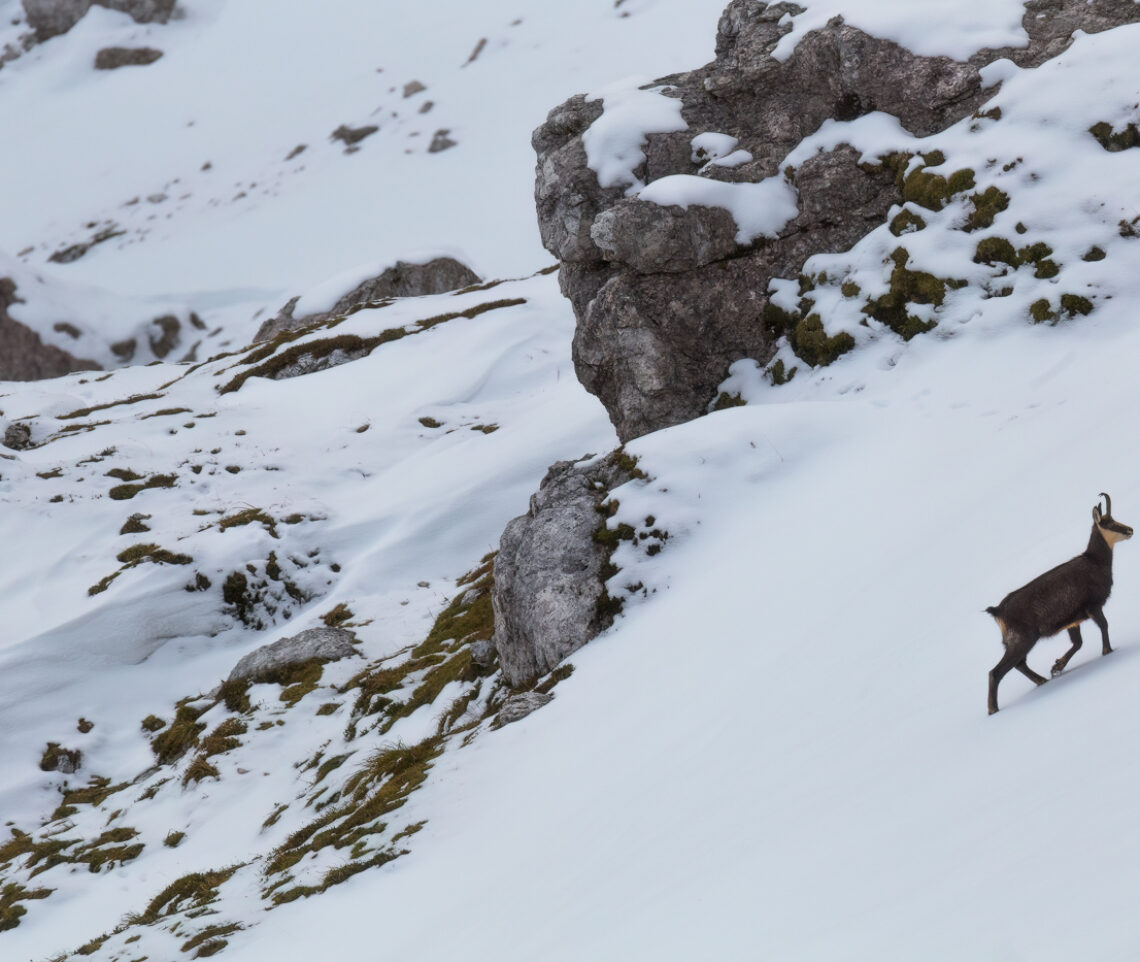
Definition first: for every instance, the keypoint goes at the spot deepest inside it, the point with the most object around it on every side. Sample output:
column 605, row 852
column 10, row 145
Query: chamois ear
column 1096, row 514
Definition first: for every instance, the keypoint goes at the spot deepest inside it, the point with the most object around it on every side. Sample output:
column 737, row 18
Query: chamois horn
column 1108, row 504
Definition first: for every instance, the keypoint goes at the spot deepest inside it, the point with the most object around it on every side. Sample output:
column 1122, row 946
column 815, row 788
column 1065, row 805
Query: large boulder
column 668, row 293
column 402, row 279
column 49, row 18
column 549, row 594
column 262, row 664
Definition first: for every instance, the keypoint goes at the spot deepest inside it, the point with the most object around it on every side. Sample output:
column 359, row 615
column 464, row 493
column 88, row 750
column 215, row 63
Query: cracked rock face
column 666, row 298
column 548, row 572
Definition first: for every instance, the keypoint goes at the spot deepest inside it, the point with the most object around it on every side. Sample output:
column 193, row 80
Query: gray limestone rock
column 401, row 280
column 441, row 141
column 548, row 572
column 18, row 436
column 328, row 644
column 665, row 297
column 519, row 706
column 49, row 18
column 111, row 58
column 483, row 653
column 351, row 136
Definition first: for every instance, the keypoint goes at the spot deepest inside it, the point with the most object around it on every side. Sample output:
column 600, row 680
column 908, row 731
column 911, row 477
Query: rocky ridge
column 667, row 297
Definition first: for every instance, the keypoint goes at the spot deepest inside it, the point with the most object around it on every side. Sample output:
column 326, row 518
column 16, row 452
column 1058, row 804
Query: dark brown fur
column 1060, row 599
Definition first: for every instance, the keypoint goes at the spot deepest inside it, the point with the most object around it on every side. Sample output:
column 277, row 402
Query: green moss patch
column 235, row 695
column 249, row 516
column 139, row 553
column 725, row 400
column 97, row 790
column 1115, row 140
column 908, row 287
column 84, row 412
column 198, row 769
column 986, row 206
column 374, row 791
column 165, row 412
column 211, row 940
column 190, row 892
column 779, row 374
column 124, row 492
column 933, row 191
column 1074, row 304
column 180, row 736
column 338, row 616
column 11, row 911
column 996, row 250
column 812, row 344
column 135, row 524
column 904, row 222
column 152, row 723
column 224, row 737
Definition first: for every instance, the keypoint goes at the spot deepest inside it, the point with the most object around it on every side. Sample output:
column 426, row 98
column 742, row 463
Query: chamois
column 1059, row 599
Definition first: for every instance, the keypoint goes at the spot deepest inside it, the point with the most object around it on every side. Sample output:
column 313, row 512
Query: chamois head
column 1111, row 530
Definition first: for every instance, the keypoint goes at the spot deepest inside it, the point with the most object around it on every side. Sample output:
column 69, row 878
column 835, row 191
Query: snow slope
column 243, row 84
column 780, row 750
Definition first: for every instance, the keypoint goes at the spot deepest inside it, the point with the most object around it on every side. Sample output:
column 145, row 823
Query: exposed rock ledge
column 402, row 279
column 666, row 298
column 549, row 595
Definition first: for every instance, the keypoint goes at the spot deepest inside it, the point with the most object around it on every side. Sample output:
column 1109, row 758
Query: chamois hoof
column 993, row 711
column 1056, row 670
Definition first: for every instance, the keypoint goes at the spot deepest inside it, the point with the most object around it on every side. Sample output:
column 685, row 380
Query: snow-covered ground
column 781, row 748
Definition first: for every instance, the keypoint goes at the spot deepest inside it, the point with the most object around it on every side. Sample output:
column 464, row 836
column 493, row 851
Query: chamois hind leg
column 1097, row 615
column 1075, row 638
column 1015, row 651
column 1029, row 673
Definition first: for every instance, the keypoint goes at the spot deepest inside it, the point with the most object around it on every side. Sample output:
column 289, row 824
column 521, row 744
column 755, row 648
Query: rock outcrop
column 23, row 354
column 112, row 58
column 517, row 707
column 50, row 18
column 667, row 297
column 402, row 279
column 549, row 596
column 262, row 664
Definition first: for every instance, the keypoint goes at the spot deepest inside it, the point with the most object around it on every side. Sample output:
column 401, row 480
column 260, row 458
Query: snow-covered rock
column 550, row 596
column 327, row 644
column 49, row 18
column 359, row 287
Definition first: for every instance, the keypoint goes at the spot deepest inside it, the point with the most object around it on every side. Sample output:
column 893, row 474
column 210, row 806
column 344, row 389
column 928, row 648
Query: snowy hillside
column 780, row 749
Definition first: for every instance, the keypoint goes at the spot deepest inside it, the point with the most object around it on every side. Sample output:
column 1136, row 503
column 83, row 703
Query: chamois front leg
column 1075, row 638
column 1097, row 615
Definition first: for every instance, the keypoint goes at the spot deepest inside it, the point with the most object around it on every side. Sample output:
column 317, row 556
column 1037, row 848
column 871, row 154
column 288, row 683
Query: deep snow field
column 780, row 750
